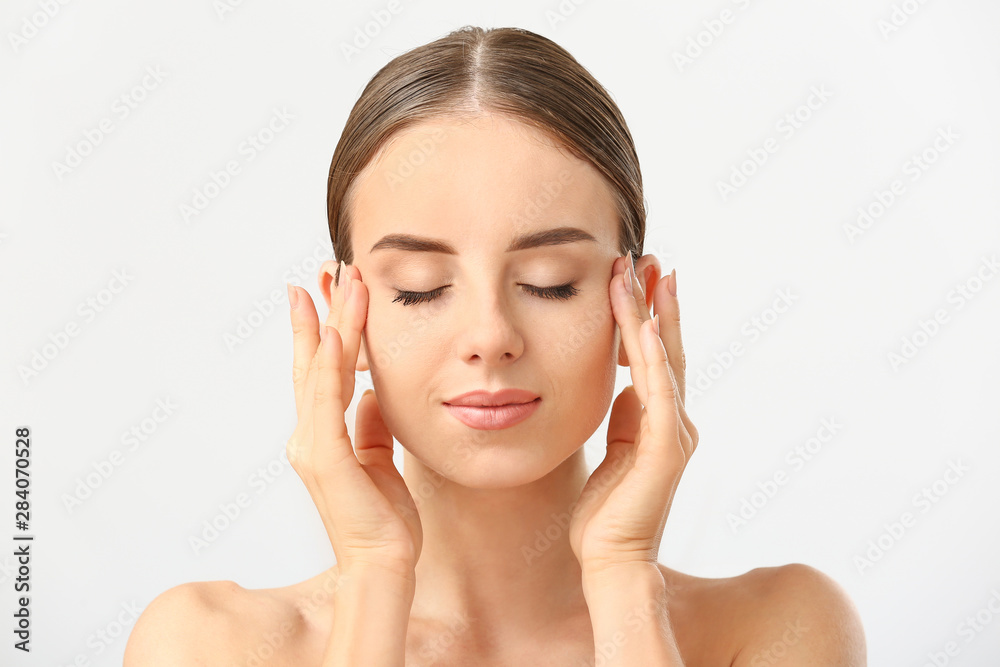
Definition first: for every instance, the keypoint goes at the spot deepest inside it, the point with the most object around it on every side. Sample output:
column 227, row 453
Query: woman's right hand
column 369, row 514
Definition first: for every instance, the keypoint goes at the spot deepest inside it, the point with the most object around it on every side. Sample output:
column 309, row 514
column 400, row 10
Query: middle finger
column 625, row 302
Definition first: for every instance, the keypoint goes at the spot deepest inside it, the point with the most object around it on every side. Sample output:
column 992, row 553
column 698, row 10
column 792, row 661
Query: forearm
column 628, row 613
column 371, row 611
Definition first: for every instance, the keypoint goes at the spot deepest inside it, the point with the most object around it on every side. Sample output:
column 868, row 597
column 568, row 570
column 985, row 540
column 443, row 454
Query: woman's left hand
column 622, row 510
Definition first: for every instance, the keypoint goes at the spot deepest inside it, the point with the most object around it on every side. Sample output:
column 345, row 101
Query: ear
column 328, row 283
column 648, row 269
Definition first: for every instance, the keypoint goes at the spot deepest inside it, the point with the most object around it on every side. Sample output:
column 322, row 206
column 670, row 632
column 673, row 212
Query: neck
column 499, row 557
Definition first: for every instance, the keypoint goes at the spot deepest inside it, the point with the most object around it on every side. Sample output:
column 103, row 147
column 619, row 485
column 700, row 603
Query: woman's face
column 460, row 209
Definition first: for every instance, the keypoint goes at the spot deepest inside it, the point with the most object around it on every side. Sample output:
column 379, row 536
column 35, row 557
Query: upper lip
column 481, row 397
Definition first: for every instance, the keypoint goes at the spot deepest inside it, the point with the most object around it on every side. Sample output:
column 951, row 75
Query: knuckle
column 293, row 450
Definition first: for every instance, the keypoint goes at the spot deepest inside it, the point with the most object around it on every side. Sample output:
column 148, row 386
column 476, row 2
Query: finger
column 372, row 438
column 305, row 339
column 640, row 298
column 662, row 408
column 626, row 311
column 331, row 442
column 623, row 424
column 666, row 306
column 350, row 323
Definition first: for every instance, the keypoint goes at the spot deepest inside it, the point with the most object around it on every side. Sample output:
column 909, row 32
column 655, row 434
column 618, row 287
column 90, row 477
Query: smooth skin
column 444, row 565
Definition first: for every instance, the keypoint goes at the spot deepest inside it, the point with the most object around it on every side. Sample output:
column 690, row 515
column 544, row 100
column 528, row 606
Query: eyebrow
column 547, row 237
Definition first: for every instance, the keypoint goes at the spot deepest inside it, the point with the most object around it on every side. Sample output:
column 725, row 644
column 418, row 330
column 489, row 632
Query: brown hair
column 509, row 71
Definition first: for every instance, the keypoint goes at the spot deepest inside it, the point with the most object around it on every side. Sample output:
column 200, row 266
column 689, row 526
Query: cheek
column 581, row 349
column 585, row 335
column 391, row 335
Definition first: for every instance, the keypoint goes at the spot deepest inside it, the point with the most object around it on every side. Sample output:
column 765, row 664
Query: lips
column 481, row 398
column 490, row 411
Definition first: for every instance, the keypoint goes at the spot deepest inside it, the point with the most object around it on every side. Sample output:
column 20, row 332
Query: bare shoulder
column 794, row 613
column 810, row 618
column 196, row 623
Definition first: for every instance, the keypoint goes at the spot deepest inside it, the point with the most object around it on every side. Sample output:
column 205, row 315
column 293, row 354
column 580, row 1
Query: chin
column 490, row 465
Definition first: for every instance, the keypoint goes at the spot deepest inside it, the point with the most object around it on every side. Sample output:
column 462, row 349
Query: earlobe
column 327, row 274
column 648, row 269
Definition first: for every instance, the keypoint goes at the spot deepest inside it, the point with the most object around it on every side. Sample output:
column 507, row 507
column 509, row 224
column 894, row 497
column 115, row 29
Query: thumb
column 372, row 438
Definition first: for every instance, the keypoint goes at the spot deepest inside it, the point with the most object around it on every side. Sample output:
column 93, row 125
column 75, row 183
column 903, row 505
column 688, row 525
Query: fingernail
column 293, row 296
column 347, row 288
column 631, row 263
column 627, row 279
column 341, row 275
column 672, row 284
column 656, row 323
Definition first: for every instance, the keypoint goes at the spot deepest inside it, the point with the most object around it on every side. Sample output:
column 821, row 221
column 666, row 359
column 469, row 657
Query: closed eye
column 566, row 291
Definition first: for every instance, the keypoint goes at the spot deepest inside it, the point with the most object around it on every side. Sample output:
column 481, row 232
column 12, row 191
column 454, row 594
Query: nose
column 489, row 334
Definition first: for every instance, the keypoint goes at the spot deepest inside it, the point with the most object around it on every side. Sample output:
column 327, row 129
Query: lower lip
column 494, row 417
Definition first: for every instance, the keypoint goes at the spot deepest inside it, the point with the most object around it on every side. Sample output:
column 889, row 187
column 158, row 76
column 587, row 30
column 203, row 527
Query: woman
column 486, row 202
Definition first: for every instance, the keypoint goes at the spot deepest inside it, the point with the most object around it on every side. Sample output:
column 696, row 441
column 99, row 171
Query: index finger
column 305, row 339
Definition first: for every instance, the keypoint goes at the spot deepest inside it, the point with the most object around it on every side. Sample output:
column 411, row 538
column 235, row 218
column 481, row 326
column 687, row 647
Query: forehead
column 476, row 180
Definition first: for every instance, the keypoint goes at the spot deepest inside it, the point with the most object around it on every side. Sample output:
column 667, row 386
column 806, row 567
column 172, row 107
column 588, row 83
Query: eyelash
column 562, row 292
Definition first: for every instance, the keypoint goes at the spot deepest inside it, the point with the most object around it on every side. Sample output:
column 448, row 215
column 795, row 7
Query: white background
column 191, row 283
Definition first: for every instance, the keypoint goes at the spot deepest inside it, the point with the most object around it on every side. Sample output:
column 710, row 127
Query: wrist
column 362, row 577
column 635, row 576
